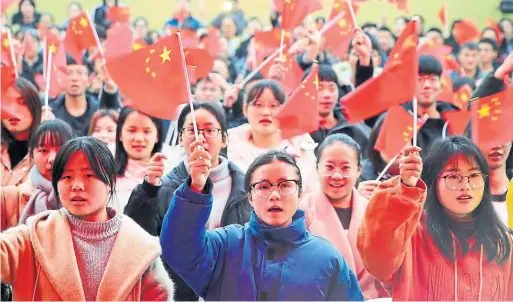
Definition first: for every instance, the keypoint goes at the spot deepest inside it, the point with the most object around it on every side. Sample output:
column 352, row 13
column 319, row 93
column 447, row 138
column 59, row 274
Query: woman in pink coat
column 335, row 210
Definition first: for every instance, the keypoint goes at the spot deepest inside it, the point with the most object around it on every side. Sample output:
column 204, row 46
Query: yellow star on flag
column 316, row 83
column 5, row 43
column 165, row 55
column 409, row 42
column 342, row 23
column 484, row 111
column 52, row 48
column 84, row 22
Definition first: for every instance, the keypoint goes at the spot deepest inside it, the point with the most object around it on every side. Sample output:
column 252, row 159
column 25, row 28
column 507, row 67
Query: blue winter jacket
column 254, row 261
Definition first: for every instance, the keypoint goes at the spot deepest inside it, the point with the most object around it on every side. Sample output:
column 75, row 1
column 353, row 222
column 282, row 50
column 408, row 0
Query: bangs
column 454, row 160
column 49, row 138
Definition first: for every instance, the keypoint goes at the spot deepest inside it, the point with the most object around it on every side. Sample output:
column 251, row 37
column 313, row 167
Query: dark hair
column 32, row 2
column 430, row 65
column 326, row 73
column 213, row 108
column 257, row 89
column 492, row 43
column 458, row 83
column 491, row 233
column 374, row 155
column 435, row 29
column 369, row 25
column 139, row 19
column 99, row 157
column 406, row 20
column 54, row 132
column 340, row 138
column 269, row 157
column 33, row 102
column 121, row 157
column 113, row 114
column 469, row 46
column 385, row 28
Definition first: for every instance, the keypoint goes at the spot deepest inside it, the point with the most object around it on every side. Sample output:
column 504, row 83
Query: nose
column 51, row 157
column 78, row 185
column 138, row 136
column 275, row 195
column 337, row 175
column 325, row 93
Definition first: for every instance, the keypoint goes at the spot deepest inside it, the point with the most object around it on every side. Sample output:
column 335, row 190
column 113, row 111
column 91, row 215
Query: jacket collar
column 295, row 234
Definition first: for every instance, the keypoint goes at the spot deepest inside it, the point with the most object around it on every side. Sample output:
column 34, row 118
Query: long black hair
column 99, row 157
column 490, row 232
column 121, row 156
column 54, row 132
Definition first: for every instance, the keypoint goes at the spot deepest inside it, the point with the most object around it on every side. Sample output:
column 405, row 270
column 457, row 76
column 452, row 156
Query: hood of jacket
column 133, row 252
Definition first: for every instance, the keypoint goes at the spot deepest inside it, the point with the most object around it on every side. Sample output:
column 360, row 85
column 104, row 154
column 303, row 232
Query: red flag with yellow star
column 153, row 78
column 461, row 97
column 491, row 119
column 465, row 31
column 53, row 40
column 266, row 42
column 80, row 36
column 58, row 76
column 119, row 14
column 338, row 36
column 457, row 121
column 5, row 50
column 297, row 116
column 139, row 43
column 395, row 85
column 119, row 41
column 293, row 12
column 397, row 131
column 292, row 72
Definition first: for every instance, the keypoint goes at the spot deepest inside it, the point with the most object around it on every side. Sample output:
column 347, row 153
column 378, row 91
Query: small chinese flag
column 442, row 14
column 266, row 42
column 119, row 41
column 450, row 63
column 138, row 44
column 189, row 37
column 491, row 119
column 6, row 50
column 299, row 113
column 8, row 79
column 496, row 28
column 466, row 31
column 213, row 45
column 447, row 92
column 397, row 131
column 58, row 76
column 119, row 14
column 29, row 44
column 292, row 72
column 153, row 78
column 199, row 63
column 395, row 85
column 80, row 36
column 462, row 96
column 338, row 37
column 458, row 121
column 52, row 39
column 293, row 12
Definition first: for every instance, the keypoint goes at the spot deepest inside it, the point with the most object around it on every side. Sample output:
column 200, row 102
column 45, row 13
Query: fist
column 277, row 71
column 363, row 46
column 366, row 188
column 410, row 166
column 200, row 163
column 155, row 168
column 231, row 95
column 506, row 68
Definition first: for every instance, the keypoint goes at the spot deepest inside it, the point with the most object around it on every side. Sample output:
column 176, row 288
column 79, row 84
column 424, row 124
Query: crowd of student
column 97, row 204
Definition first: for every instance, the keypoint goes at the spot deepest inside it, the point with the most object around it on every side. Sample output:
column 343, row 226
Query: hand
column 200, row 164
column 104, row 76
column 277, row 71
column 231, row 95
column 506, row 68
column 47, row 114
column 299, row 46
column 366, row 188
column 314, row 36
column 218, row 80
column 410, row 166
column 155, row 169
column 363, row 46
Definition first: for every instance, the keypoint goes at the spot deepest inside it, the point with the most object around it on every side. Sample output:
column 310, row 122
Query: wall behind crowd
column 159, row 11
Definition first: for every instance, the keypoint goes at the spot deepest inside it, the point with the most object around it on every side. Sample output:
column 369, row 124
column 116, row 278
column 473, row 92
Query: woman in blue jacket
column 273, row 257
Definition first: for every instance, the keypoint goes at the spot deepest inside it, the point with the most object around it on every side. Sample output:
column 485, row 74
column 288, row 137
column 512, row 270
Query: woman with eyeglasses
column 273, row 257
column 335, row 210
column 438, row 239
column 262, row 133
column 149, row 202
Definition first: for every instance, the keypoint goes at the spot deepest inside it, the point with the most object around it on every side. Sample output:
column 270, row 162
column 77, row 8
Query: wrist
column 365, row 61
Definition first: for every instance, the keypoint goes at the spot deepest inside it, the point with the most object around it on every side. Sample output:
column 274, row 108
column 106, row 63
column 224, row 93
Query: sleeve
column 363, row 73
column 143, row 207
column 344, row 284
column 9, row 199
column 385, row 233
column 156, row 285
column 489, row 86
column 16, row 253
column 109, row 100
column 187, row 247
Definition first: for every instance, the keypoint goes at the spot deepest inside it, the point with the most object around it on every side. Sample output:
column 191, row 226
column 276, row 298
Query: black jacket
column 148, row 205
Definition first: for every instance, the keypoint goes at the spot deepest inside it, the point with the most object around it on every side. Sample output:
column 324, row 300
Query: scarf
column 43, row 199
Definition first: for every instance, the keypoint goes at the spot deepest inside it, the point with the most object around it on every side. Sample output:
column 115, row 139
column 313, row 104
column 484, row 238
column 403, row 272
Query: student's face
column 207, row 91
column 435, row 37
column 221, row 68
column 46, row 21
column 22, row 118
column 338, row 171
column 275, row 206
column 428, row 89
column 74, row 11
column 141, row 28
column 468, row 58
column 27, row 9
column 496, row 157
column 328, row 97
column 78, row 80
column 228, row 28
column 261, row 113
column 385, row 39
column 507, row 28
column 460, row 200
column 212, row 137
column 80, row 191
column 486, row 53
column 105, row 130
column 139, row 136
column 44, row 157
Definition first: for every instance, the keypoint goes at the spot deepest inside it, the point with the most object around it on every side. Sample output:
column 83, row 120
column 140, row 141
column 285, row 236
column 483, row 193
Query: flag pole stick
column 252, row 74
column 45, row 50
column 282, row 40
column 415, row 118
column 48, row 78
column 332, row 22
column 170, row 133
column 390, row 163
column 13, row 55
column 96, row 38
column 351, row 10
column 189, row 94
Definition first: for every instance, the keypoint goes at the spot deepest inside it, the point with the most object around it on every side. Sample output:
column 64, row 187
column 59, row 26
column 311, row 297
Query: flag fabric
column 397, row 131
column 213, row 45
column 119, row 41
column 8, row 79
column 299, row 113
column 442, row 14
column 491, row 119
column 395, row 85
column 6, row 50
column 189, row 37
column 29, row 44
column 338, row 37
column 293, row 12
column 266, row 42
column 447, row 91
column 462, row 96
column 153, row 78
column 119, row 14
column 457, row 121
column 401, row 5
column 80, row 35
column 450, row 63
column 496, row 28
column 437, row 50
column 466, row 31
column 139, row 43
column 199, row 63
column 52, row 38
column 58, row 76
